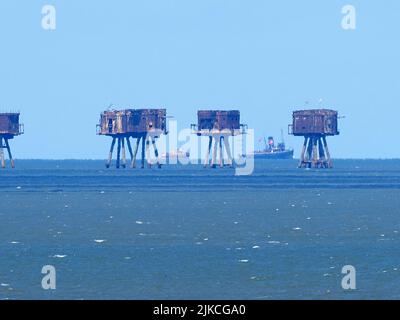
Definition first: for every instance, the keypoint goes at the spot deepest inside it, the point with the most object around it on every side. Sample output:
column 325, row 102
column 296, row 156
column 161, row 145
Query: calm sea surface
column 184, row 232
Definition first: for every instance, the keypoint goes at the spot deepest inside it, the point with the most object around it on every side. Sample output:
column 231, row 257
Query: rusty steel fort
column 218, row 125
column 9, row 128
column 144, row 126
column 315, row 126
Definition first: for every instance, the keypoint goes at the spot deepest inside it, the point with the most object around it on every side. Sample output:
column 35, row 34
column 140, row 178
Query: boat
column 272, row 151
column 177, row 154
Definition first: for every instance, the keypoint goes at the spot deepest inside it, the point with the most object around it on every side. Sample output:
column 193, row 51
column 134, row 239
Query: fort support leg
column 207, row 158
column 128, row 143
column 143, row 150
column 328, row 156
column 153, row 141
column 9, row 153
column 214, row 154
column 315, row 153
column 123, row 153
column 321, row 154
column 148, row 156
column 309, row 153
column 3, row 164
column 118, row 153
column 133, row 164
column 303, row 151
column 108, row 163
column 228, row 150
column 221, row 153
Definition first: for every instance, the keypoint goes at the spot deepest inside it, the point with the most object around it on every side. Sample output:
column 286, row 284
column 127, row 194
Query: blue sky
column 265, row 58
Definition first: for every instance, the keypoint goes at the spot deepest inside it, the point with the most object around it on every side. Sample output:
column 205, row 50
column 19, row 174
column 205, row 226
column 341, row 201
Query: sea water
column 185, row 232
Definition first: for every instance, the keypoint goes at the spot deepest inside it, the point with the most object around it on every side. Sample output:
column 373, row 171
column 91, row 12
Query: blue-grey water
column 184, row 232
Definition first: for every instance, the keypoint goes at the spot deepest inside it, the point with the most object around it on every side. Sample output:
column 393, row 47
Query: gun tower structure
column 315, row 125
column 9, row 128
column 144, row 125
column 218, row 125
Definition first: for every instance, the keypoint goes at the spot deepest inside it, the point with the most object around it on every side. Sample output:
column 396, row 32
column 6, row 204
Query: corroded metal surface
column 9, row 124
column 218, row 119
column 316, row 121
column 132, row 122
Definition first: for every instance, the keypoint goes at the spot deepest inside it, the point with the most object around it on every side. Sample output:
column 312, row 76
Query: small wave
column 59, row 256
column 99, row 240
